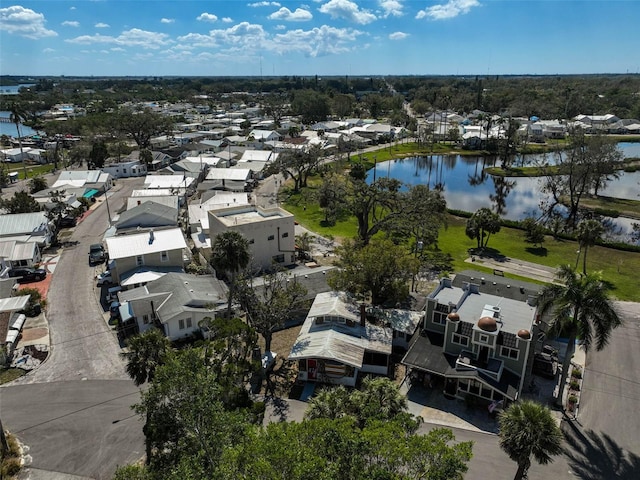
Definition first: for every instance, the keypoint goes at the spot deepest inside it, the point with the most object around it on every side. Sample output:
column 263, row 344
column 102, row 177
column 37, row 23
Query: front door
column 312, row 369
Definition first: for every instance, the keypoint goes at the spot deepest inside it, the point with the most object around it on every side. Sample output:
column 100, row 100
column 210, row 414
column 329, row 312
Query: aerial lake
column 467, row 188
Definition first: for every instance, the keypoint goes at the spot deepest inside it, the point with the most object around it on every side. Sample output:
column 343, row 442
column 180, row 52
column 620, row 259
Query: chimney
column 363, row 314
column 151, row 237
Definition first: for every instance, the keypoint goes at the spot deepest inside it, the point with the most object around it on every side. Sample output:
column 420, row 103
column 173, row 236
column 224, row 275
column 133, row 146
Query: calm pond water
column 467, row 188
column 10, row 128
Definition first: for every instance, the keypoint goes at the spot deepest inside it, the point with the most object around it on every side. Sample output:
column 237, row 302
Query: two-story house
column 270, row 232
column 477, row 336
column 336, row 342
column 162, row 251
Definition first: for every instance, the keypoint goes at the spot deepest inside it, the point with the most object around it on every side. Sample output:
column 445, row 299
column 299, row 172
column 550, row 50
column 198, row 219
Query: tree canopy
column 481, row 225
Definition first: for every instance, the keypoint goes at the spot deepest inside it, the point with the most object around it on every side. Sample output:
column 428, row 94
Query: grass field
column 9, row 374
column 618, row 267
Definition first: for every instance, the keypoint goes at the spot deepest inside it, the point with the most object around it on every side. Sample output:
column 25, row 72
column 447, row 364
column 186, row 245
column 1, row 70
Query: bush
column 572, row 400
column 574, row 385
column 576, row 373
column 36, row 302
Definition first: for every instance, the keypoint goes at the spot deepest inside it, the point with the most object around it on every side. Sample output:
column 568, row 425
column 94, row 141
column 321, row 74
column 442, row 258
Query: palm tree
column 230, row 254
column 147, row 351
column 579, row 306
column 17, row 114
column 526, row 429
column 303, row 242
column 379, row 398
column 329, row 403
column 588, row 233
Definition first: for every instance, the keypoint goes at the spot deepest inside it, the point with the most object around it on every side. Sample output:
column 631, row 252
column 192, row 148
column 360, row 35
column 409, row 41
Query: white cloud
column 118, row 49
column 316, row 42
column 48, row 50
column 72, row 8
column 242, row 35
column 398, row 36
column 287, row 15
column 101, row 25
column 280, row 27
column 451, row 9
column 70, row 23
column 227, row 20
column 348, row 10
column 207, row 17
column 197, row 40
column 167, row 20
column 263, row 4
column 24, row 22
column 131, row 38
column 391, row 8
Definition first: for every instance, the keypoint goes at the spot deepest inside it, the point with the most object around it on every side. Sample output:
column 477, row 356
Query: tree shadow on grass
column 537, row 251
column 596, row 456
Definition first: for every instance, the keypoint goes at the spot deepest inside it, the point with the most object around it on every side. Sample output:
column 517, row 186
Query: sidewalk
column 517, row 267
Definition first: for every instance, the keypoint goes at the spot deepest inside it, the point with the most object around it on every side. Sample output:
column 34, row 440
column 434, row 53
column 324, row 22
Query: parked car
column 104, row 278
column 96, row 254
column 66, row 222
column 28, row 274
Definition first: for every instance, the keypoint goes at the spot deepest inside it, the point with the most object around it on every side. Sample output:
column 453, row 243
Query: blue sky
column 323, row 37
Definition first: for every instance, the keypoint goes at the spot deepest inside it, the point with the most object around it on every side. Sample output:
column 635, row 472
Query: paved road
column 82, row 345
column 82, row 428
column 67, row 423
column 611, row 387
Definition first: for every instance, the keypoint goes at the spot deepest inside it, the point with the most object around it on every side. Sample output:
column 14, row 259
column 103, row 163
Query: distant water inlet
column 467, row 187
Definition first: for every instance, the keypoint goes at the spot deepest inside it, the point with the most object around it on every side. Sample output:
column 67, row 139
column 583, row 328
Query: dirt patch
column 281, row 380
column 29, row 334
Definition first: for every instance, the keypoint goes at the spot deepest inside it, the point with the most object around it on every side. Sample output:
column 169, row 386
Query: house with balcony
column 140, row 257
column 269, row 231
column 336, row 342
column 478, row 336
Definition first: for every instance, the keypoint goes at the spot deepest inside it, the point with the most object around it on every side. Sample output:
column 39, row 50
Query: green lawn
column 9, row 374
column 618, row 267
column 32, row 170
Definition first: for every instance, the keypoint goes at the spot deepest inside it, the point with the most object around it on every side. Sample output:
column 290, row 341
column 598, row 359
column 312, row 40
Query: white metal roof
column 229, row 174
column 339, row 341
column 13, row 304
column 144, row 243
column 167, row 181
column 141, row 277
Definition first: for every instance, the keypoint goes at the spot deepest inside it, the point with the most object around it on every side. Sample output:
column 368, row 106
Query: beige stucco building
column 270, row 232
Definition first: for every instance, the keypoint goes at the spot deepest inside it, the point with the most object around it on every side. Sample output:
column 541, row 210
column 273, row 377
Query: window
column 482, row 338
column 146, row 320
column 285, row 234
column 460, row 340
column 278, row 258
column 189, row 324
column 139, row 260
column 507, row 352
column 181, row 324
column 164, row 256
column 252, row 241
column 271, row 237
column 440, row 318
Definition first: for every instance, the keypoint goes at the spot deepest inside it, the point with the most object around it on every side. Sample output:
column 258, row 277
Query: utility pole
column 106, row 200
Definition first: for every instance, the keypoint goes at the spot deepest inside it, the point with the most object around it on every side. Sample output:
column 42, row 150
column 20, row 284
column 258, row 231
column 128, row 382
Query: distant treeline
column 547, row 97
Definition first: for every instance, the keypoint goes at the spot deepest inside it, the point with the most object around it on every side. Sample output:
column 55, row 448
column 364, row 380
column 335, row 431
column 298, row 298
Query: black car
column 28, row 274
column 96, row 254
column 66, row 222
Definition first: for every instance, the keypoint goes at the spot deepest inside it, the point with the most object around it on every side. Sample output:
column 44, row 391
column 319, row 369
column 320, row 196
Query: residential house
column 20, row 254
column 93, row 181
column 477, row 336
column 336, row 343
column 270, row 232
column 126, row 168
column 140, row 196
column 27, row 227
column 175, row 302
column 147, row 251
column 147, row 216
column 178, row 184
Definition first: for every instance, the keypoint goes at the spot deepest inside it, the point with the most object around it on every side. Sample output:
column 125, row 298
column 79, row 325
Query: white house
column 20, row 254
column 336, row 343
column 175, row 302
column 270, row 232
column 26, row 227
column 126, row 169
